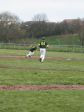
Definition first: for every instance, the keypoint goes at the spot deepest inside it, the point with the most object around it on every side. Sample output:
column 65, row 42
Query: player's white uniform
column 42, row 46
column 42, row 54
column 30, row 53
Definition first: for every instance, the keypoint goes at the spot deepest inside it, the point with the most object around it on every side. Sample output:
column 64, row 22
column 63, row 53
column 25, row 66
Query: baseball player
column 31, row 51
column 43, row 45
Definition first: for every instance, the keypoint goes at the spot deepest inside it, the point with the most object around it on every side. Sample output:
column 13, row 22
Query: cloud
column 54, row 9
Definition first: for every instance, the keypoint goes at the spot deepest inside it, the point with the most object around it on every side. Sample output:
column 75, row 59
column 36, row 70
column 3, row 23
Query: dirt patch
column 24, row 57
column 43, row 87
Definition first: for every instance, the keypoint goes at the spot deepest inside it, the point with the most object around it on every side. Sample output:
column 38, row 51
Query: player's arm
column 39, row 44
column 47, row 46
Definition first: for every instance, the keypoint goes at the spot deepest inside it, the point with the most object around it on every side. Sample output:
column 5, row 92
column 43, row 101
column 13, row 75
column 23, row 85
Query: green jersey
column 43, row 44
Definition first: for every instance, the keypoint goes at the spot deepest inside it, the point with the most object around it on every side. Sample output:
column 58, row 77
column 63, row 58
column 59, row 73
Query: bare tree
column 9, row 18
column 40, row 17
column 9, row 27
column 38, row 25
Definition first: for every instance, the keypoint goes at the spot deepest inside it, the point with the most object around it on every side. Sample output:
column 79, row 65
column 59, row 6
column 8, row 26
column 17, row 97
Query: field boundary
column 42, row 87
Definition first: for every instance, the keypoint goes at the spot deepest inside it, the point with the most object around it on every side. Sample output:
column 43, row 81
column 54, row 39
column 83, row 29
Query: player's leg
column 32, row 53
column 29, row 54
column 42, row 54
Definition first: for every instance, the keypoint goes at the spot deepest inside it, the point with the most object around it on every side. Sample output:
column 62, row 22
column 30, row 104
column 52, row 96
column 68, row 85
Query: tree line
column 13, row 29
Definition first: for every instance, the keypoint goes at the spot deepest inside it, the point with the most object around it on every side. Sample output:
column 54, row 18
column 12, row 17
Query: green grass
column 56, row 48
column 72, row 39
column 57, row 43
column 41, row 101
column 31, row 71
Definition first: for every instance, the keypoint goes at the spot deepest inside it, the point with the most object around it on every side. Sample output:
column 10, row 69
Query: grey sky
column 56, row 10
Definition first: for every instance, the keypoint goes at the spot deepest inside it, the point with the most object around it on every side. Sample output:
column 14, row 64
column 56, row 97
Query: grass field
column 41, row 101
column 23, row 71
column 68, row 39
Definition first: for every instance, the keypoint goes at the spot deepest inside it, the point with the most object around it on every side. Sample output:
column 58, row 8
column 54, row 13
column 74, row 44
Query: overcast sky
column 56, row 10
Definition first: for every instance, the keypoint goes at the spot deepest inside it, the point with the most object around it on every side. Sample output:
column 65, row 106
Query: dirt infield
column 24, row 57
column 42, row 87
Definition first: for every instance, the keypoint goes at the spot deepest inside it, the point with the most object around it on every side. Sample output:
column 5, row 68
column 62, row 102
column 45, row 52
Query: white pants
column 42, row 53
column 30, row 53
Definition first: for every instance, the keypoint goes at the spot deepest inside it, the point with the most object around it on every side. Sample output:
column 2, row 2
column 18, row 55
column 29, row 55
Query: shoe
column 29, row 56
column 40, row 59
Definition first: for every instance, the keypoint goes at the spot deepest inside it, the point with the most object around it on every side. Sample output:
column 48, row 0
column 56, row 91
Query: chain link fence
column 57, row 48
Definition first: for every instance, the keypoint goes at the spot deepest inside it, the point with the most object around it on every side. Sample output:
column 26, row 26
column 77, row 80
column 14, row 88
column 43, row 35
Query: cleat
column 29, row 56
column 40, row 59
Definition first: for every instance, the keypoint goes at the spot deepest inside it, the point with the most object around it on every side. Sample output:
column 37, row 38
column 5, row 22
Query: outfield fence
column 58, row 48
column 67, row 48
